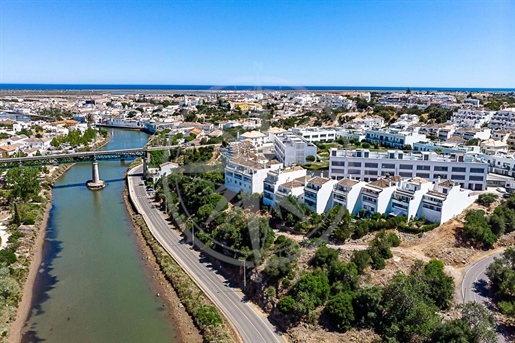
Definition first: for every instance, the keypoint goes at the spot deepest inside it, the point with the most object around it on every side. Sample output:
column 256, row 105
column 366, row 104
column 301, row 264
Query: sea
column 211, row 88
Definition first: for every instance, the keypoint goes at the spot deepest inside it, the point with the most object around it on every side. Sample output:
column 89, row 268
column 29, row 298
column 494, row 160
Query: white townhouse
column 292, row 149
column 446, row 200
column 257, row 138
column 471, row 133
column 275, row 178
column 346, row 193
column 318, row 193
column 471, row 117
column 393, row 138
column 376, row 195
column 365, row 165
column 247, row 171
column 407, row 198
column 503, row 120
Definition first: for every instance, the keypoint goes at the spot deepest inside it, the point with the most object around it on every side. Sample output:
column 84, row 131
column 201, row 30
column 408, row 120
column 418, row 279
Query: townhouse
column 318, row 194
column 316, row 134
column 376, row 195
column 503, row 120
column 279, row 177
column 471, row 117
column 346, row 193
column 406, row 199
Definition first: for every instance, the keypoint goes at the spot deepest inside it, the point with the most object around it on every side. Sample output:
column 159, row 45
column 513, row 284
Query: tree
column 23, row 183
column 286, row 304
column 368, row 306
column 502, row 278
column 310, row 158
column 437, row 286
column 487, row 199
column 325, row 257
column 340, row 310
column 408, row 90
column 477, row 229
column 361, row 259
column 481, row 322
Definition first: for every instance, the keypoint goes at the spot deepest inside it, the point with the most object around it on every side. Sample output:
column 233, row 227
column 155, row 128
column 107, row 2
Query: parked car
column 506, row 195
column 501, row 190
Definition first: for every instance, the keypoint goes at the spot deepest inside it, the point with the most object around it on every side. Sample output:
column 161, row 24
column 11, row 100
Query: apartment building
column 276, row 178
column 257, row 138
column 316, row 134
column 446, row 200
column 369, row 166
column 471, row 133
column 393, row 138
column 246, row 170
column 503, row 120
column 292, row 149
column 346, row 193
column 318, row 193
column 471, row 117
column 406, row 199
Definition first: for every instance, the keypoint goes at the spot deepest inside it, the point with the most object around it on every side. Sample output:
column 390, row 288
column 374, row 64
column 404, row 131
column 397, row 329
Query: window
column 354, row 164
column 338, row 163
column 476, row 178
column 406, row 166
column 370, row 172
column 388, row 166
column 477, row 170
column 354, row 171
column 438, row 168
column 371, row 165
column 423, row 175
column 338, row 170
column 457, row 177
column 423, row 167
column 459, row 169
column 406, row 174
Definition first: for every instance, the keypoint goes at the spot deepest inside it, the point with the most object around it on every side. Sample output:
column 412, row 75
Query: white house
column 276, row 178
column 318, row 193
column 393, row 138
column 376, row 195
column 257, row 138
column 407, row 198
column 503, row 119
column 346, row 193
column 446, row 200
column 316, row 134
column 471, row 117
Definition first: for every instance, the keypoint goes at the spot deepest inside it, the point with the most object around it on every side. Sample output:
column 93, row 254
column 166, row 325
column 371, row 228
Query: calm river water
column 93, row 286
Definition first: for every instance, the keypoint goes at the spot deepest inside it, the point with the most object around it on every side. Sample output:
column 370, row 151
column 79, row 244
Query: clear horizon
column 452, row 44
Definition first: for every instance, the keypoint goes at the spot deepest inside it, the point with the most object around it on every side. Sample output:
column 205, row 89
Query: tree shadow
column 481, row 288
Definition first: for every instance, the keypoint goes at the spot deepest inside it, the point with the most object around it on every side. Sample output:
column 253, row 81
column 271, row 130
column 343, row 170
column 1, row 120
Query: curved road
column 251, row 324
column 474, row 286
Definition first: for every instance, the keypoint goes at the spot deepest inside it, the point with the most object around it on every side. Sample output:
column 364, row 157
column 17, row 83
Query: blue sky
column 432, row 43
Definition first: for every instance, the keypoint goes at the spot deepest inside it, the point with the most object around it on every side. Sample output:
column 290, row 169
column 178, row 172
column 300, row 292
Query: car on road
column 506, row 195
column 501, row 190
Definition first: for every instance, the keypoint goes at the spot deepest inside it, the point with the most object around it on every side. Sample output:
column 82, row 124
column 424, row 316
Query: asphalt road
column 251, row 324
column 474, row 286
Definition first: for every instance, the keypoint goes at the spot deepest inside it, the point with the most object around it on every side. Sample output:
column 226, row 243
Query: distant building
column 292, row 149
column 393, row 138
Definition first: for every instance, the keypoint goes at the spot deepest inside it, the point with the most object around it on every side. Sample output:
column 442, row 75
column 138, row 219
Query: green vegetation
column 74, row 138
column 23, row 183
column 483, row 231
column 502, row 277
column 56, row 113
column 487, row 199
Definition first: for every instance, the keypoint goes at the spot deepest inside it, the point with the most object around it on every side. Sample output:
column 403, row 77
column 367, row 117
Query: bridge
column 85, row 156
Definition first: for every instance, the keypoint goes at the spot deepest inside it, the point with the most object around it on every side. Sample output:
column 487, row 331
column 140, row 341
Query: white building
column 316, row 134
column 278, row 177
column 292, row 149
column 503, row 120
column 318, row 193
column 369, row 166
column 446, row 200
column 471, row 133
column 393, row 138
column 407, row 198
column 246, row 171
column 376, row 196
column 346, row 193
column 257, row 138
column 471, row 117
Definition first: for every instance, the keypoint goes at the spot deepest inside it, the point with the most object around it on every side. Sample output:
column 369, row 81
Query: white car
column 501, row 190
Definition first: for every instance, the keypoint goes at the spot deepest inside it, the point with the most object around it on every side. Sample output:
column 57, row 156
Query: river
column 94, row 286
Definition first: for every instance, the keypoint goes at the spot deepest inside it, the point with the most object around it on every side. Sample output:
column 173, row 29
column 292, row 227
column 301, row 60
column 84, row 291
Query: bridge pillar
column 95, row 183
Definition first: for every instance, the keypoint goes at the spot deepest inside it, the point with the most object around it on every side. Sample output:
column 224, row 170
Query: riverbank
column 25, row 305
column 36, row 253
column 187, row 331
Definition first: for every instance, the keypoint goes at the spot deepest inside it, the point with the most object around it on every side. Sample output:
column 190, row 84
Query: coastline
column 186, row 329
column 27, row 294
